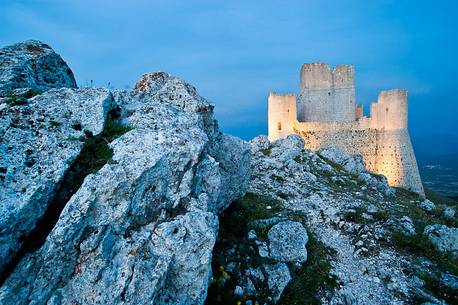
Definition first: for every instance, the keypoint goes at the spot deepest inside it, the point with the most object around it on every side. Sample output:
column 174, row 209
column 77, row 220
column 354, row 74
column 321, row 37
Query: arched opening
column 279, row 126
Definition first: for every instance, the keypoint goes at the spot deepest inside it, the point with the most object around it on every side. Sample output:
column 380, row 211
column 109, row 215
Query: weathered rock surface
column 287, row 241
column 38, row 142
column 141, row 229
column 33, row 64
column 278, row 278
column 445, row 239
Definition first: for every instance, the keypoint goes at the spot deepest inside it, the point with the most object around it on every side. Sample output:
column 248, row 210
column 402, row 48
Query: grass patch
column 381, row 215
column 434, row 285
column 307, row 280
column 266, row 151
column 311, row 277
column 21, row 99
column 54, row 124
column 282, row 195
column 420, row 245
column 234, row 227
column 420, row 217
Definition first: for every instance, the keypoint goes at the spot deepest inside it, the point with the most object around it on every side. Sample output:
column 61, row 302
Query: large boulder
column 38, row 143
column 33, row 64
column 142, row 228
column 445, row 239
column 287, row 240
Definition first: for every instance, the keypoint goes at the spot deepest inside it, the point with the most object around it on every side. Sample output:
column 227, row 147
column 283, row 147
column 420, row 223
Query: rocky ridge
column 141, row 226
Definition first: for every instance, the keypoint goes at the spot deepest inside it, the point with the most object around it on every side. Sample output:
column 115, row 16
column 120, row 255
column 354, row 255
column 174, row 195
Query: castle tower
column 282, row 115
column 327, row 95
column 395, row 157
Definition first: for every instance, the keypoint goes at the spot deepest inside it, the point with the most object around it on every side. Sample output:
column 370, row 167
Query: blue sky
column 235, row 52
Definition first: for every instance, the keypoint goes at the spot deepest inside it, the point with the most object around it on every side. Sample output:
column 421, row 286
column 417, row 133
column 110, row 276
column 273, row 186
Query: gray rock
column 238, row 291
column 252, row 234
column 350, row 163
column 449, row 280
column 141, row 230
column 38, row 143
column 33, row 64
column 263, row 250
column 427, row 205
column 278, row 277
column 449, row 213
column 445, row 239
column 407, row 226
column 287, row 242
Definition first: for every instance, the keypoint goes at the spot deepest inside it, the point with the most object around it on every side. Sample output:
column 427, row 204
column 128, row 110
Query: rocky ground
column 367, row 243
column 136, row 197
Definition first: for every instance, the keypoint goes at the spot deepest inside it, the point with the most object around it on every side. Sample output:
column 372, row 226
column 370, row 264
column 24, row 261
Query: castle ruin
column 326, row 114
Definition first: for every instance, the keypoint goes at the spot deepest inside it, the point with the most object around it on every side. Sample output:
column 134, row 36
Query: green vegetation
column 54, row 124
column 14, row 100
column 311, row 277
column 235, row 223
column 421, row 217
column 432, row 283
column 267, row 151
column 381, row 215
column 420, row 245
column 282, row 195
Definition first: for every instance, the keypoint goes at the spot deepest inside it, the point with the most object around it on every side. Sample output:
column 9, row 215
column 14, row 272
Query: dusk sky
column 235, row 52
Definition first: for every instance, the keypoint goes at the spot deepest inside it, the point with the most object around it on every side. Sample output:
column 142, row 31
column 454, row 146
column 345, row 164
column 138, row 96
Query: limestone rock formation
column 445, row 239
column 287, row 240
column 33, row 64
column 39, row 141
column 140, row 229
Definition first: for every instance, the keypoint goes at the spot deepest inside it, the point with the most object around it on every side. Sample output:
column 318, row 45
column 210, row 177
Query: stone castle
column 326, row 113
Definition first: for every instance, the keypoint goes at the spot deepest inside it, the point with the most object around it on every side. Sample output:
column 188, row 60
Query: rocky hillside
column 317, row 228
column 136, row 197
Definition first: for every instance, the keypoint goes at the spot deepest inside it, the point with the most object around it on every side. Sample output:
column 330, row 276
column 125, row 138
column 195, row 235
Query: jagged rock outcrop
column 139, row 230
column 38, row 143
column 33, row 64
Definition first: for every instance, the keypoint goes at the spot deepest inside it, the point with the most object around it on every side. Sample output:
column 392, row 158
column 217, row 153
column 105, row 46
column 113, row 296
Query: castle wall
column 326, row 95
column 390, row 111
column 396, row 160
column 281, row 115
column 387, row 152
column 328, row 116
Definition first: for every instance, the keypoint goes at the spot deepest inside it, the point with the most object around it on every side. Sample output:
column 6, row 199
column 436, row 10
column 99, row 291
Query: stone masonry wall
column 326, row 95
column 328, row 115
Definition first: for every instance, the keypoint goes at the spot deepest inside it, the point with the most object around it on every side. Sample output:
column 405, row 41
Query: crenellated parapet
column 327, row 115
column 326, row 95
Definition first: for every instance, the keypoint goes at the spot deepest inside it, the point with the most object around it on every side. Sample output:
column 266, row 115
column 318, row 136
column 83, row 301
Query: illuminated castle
column 326, row 114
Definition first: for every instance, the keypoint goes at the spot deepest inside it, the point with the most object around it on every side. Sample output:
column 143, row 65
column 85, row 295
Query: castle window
column 386, row 109
column 329, row 93
column 279, row 126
